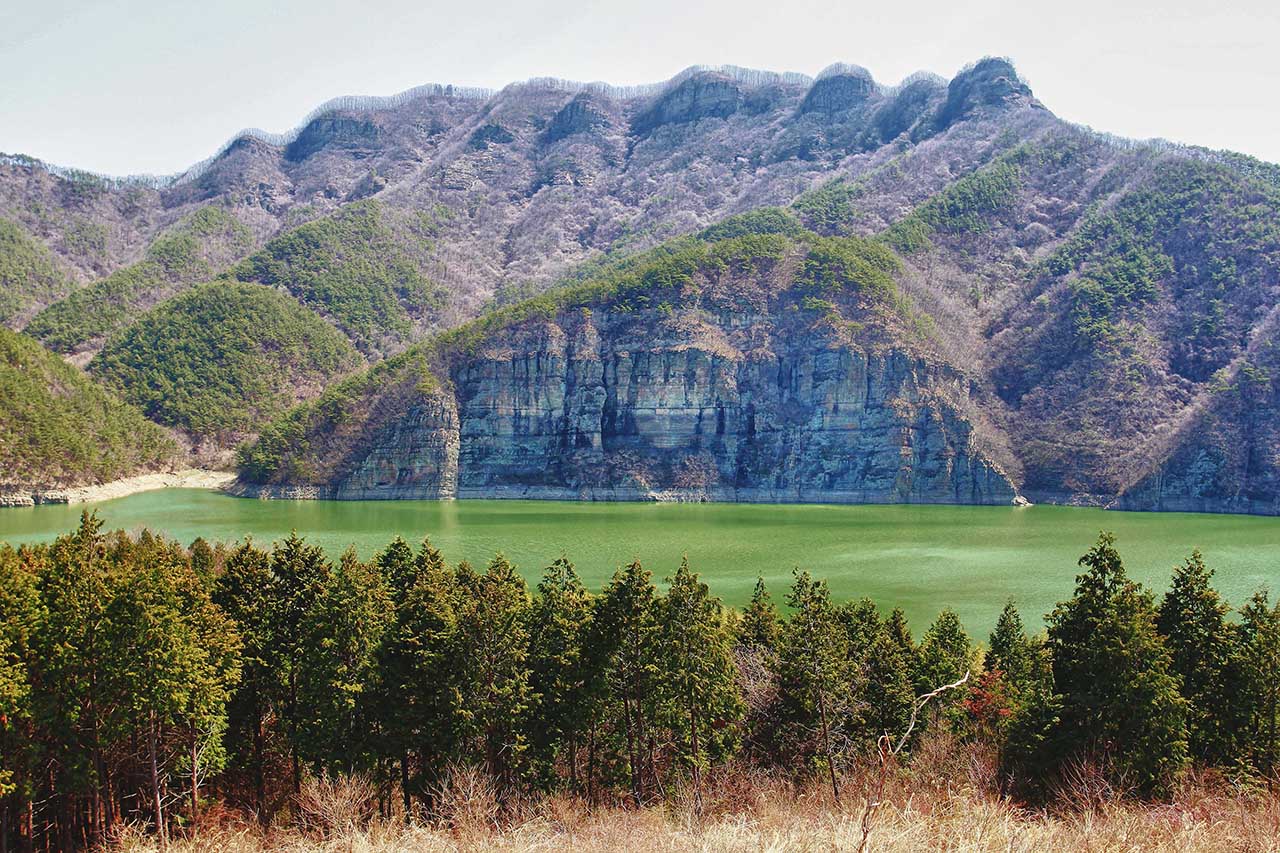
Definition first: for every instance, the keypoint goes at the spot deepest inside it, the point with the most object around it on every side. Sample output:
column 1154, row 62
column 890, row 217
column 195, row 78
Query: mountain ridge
column 1093, row 291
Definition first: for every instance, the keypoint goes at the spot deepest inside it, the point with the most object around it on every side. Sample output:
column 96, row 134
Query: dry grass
column 752, row 812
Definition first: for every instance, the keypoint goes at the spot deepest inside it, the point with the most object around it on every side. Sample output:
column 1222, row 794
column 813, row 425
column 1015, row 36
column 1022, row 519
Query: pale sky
column 152, row 86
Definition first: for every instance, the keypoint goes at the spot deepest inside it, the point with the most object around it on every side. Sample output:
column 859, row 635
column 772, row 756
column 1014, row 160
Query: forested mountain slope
column 58, row 428
column 1100, row 298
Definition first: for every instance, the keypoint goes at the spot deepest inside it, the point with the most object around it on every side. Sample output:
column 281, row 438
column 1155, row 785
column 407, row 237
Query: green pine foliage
column 1193, row 621
column 222, row 358
column 240, row 670
column 357, row 267
column 188, row 253
column 560, row 674
column 59, row 427
column 697, row 685
column 1120, row 701
column 965, row 206
column 29, row 274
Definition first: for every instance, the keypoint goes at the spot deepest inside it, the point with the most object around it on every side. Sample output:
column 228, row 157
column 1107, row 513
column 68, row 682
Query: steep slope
column 187, row 254
column 223, row 358
column 534, row 179
column 756, row 367
column 30, row 276
column 58, row 428
column 1091, row 290
column 364, row 268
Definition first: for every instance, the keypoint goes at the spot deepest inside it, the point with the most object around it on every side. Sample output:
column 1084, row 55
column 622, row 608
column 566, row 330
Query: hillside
column 759, row 367
column 1093, row 292
column 185, row 255
column 58, row 428
column 363, row 268
column 30, row 277
column 223, row 358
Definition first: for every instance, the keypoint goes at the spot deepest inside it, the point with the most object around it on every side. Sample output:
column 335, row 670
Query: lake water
column 920, row 558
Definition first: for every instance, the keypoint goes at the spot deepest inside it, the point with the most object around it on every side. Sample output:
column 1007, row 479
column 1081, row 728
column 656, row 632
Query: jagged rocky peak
column 992, row 82
column 342, row 131
column 706, row 94
column 581, row 115
column 839, row 88
column 912, row 101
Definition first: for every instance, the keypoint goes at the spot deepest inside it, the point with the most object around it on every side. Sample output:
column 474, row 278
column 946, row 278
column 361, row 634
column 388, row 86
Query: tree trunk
column 693, row 743
column 632, row 756
column 259, row 780
column 161, row 830
column 195, row 777
column 826, row 745
column 404, row 785
column 591, row 761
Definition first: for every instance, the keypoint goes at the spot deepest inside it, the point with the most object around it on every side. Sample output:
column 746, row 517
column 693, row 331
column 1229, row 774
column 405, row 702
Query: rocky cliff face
column 692, row 401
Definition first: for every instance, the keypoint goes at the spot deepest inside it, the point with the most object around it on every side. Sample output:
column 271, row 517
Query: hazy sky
column 129, row 86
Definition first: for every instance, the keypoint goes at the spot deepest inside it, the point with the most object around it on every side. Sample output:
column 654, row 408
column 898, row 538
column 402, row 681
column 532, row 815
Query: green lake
column 920, row 558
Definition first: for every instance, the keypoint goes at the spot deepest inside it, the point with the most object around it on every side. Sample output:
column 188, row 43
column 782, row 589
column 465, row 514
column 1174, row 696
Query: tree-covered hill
column 363, row 268
column 222, row 359
column 30, row 276
column 1092, row 291
column 187, row 254
column 59, row 428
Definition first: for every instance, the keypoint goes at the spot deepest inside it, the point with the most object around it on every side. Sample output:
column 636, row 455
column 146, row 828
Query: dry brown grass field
column 943, row 804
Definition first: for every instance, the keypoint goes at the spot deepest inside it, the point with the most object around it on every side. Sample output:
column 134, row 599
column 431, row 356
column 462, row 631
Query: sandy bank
column 193, row 478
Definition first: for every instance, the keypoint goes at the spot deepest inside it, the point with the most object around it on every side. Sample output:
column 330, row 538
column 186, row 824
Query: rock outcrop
column 692, row 400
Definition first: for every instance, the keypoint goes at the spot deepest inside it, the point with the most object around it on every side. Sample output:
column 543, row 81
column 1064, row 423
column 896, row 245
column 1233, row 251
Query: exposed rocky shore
column 194, row 478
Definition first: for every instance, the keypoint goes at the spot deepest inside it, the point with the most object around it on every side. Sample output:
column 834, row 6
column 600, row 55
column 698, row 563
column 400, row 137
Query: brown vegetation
column 945, row 801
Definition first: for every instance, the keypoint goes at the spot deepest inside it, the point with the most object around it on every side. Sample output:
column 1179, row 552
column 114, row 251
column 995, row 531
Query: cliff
column 735, row 382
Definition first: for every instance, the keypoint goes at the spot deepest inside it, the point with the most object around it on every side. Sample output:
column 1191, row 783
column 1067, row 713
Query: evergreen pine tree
column 244, row 592
column 344, row 630
column 558, row 664
column 417, row 693
column 300, row 573
column 1259, row 690
column 761, row 627
column 624, row 645
column 697, row 687
column 1204, row 655
column 495, row 697
column 1009, row 649
column 813, row 678
column 1120, row 703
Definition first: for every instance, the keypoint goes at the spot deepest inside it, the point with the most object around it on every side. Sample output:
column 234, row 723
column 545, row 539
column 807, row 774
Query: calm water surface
column 917, row 557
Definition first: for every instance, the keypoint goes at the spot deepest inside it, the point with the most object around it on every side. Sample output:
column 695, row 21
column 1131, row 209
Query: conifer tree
column 244, row 592
column 624, row 645
column 300, row 573
column 495, row 698
column 165, row 679
column 344, row 631
column 558, row 664
column 418, row 670
column 813, row 677
column 70, row 661
column 1205, row 657
column 697, row 689
column 761, row 626
column 1120, row 703
column 1009, row 649
column 945, row 655
column 19, row 613
column 1259, row 690
column 216, row 669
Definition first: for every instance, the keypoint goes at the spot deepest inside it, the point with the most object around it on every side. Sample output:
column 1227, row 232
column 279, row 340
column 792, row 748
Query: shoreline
column 189, row 478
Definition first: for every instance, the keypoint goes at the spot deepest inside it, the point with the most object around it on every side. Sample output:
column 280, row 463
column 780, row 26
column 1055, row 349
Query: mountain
column 223, row 358
column 1063, row 315
column 58, row 428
